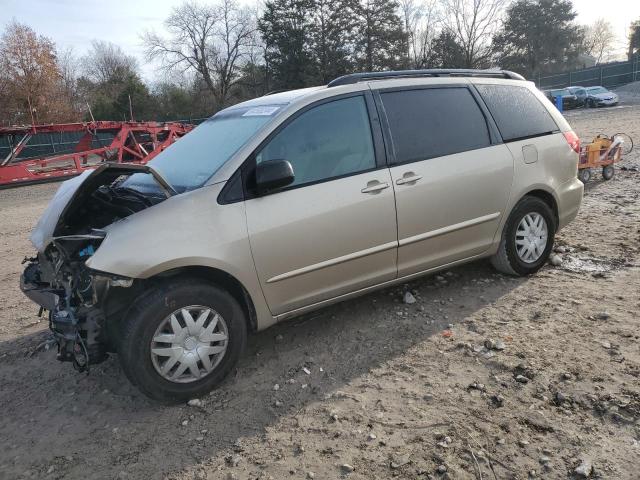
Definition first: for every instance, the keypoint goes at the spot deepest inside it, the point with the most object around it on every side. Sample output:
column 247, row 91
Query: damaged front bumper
column 82, row 302
column 75, row 298
column 42, row 295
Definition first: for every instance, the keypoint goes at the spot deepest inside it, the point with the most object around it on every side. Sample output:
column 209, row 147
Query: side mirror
column 273, row 174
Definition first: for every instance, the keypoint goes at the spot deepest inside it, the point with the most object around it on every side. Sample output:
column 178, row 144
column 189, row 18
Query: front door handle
column 408, row 178
column 374, row 186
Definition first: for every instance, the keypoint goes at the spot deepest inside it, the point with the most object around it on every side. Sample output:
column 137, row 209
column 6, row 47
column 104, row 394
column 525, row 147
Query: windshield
column 192, row 160
column 597, row 90
column 557, row 93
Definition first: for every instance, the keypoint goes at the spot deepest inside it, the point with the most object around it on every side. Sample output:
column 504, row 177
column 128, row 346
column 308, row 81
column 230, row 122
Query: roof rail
column 434, row 72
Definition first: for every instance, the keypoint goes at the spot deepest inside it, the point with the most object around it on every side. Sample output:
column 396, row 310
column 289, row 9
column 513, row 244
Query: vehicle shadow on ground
column 97, row 425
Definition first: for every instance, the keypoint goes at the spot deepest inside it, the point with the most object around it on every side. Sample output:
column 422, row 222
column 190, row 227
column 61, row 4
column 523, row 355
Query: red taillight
column 573, row 141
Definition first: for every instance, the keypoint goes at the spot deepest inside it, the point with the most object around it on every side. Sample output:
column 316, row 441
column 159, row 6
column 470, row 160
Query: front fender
column 186, row 230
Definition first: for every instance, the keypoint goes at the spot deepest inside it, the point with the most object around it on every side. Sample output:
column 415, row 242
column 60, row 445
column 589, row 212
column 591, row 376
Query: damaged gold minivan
column 290, row 202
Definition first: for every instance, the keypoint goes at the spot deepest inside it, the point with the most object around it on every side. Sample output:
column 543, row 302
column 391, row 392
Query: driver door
column 333, row 230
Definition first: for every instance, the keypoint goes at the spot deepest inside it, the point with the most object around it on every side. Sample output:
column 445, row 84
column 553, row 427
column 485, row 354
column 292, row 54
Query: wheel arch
column 546, row 197
column 221, row 279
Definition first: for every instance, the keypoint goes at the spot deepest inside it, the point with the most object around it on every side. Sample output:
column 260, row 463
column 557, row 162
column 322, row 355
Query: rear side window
column 434, row 122
column 517, row 112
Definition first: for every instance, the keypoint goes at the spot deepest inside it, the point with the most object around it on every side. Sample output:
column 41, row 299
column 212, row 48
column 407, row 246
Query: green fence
column 608, row 75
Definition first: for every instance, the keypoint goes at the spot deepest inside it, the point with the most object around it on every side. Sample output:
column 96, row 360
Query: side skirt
column 363, row 291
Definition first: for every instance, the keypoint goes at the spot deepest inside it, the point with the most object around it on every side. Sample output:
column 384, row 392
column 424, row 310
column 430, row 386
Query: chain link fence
column 608, row 75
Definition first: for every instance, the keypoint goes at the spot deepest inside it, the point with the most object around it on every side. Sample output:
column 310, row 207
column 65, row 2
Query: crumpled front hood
column 77, row 190
column 43, row 232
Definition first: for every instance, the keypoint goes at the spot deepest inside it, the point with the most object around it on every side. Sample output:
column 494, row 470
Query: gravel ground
column 483, row 377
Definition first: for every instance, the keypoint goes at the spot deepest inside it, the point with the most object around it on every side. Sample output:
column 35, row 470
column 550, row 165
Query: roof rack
column 434, row 72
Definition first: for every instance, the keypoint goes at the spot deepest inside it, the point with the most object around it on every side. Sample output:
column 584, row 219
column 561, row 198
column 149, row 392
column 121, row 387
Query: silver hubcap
column 189, row 344
column 531, row 237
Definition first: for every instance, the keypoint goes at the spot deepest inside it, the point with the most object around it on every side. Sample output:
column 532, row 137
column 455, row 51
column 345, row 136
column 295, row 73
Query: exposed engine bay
column 80, row 300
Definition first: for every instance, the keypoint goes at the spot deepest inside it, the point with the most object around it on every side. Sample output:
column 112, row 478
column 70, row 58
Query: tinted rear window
column 517, row 112
column 434, row 122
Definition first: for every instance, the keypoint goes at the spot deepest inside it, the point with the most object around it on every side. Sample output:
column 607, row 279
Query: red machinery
column 47, row 152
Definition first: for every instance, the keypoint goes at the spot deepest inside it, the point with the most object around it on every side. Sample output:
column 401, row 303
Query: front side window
column 328, row 141
column 434, row 122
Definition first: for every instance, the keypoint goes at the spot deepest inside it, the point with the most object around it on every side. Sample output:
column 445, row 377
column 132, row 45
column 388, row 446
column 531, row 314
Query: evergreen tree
column 171, row 102
column 447, row 52
column 286, row 28
column 539, row 36
column 109, row 100
column 333, row 36
column 381, row 42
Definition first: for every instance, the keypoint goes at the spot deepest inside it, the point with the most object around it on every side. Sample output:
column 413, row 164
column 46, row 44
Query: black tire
column 506, row 260
column 608, row 172
column 584, row 175
column 144, row 318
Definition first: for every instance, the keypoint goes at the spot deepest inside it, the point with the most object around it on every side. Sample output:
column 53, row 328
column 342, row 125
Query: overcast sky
column 74, row 23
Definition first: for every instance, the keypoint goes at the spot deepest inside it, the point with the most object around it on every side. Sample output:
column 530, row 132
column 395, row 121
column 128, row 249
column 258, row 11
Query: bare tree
column 211, row 40
column 410, row 13
column 235, row 37
column 421, row 19
column 107, row 61
column 70, row 68
column 599, row 40
column 473, row 24
column 190, row 27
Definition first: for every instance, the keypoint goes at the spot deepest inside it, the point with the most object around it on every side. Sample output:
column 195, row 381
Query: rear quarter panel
column 554, row 169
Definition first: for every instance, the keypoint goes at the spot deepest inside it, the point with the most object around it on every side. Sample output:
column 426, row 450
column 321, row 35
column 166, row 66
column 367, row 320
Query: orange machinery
column 603, row 152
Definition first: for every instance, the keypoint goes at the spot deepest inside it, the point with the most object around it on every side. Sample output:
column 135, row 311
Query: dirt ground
column 394, row 390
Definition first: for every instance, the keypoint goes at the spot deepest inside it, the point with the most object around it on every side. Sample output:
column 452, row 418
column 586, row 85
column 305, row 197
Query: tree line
column 212, row 55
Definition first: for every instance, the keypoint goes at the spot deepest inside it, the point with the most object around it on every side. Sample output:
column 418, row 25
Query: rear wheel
column 527, row 238
column 584, row 175
column 608, row 172
column 181, row 339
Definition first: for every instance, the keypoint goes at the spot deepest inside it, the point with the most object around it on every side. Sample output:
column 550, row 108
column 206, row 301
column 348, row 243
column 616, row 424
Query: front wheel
column 527, row 238
column 181, row 339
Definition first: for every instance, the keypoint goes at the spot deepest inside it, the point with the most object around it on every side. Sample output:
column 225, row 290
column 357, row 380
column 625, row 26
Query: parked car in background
column 580, row 93
column 290, row 202
column 569, row 100
column 600, row 97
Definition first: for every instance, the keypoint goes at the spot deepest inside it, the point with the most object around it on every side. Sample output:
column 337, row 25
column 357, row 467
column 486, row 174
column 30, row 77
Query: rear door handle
column 374, row 186
column 407, row 178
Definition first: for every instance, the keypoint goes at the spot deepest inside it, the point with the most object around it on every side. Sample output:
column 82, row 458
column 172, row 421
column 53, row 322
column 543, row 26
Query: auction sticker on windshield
column 260, row 111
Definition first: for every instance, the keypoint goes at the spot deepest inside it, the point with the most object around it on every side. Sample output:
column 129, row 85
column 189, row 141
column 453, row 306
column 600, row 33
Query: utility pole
column 130, row 108
column 31, row 110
